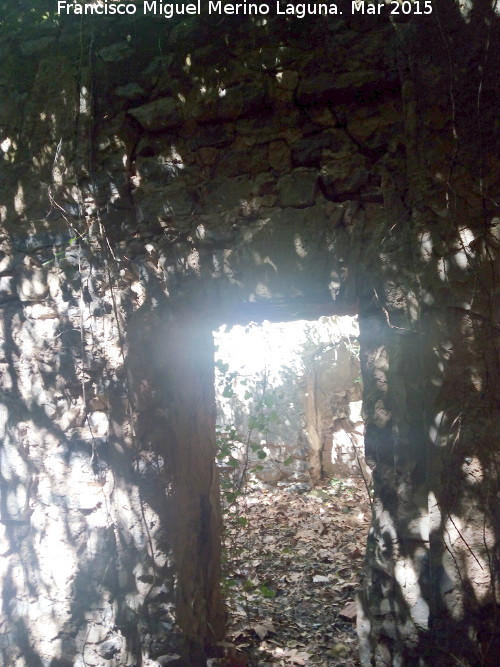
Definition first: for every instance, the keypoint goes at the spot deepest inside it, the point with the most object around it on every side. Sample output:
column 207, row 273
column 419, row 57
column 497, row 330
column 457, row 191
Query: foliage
column 234, row 449
column 327, row 334
column 236, row 456
column 26, row 16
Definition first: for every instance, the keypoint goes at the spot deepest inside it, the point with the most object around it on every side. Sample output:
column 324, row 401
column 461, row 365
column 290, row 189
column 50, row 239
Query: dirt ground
column 293, row 562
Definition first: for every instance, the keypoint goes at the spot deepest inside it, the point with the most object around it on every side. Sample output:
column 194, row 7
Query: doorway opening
column 295, row 489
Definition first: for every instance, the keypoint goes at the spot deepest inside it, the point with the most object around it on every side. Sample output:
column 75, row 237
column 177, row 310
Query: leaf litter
column 293, row 564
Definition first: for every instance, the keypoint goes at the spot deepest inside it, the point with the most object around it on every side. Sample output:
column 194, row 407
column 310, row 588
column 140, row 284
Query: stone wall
column 161, row 177
column 334, row 432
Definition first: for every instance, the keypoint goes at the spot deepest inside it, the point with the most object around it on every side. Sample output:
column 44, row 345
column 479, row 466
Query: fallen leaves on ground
column 293, row 564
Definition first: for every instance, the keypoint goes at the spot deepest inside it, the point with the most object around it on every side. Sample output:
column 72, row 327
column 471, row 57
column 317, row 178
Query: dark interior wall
column 161, row 177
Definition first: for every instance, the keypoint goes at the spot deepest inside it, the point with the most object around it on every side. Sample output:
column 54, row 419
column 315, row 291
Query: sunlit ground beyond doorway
column 294, row 490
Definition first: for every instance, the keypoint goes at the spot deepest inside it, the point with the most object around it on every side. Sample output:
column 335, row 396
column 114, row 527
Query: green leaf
column 253, row 423
column 221, row 366
column 267, row 592
column 288, row 460
column 230, row 496
column 228, row 392
column 268, row 400
column 261, row 454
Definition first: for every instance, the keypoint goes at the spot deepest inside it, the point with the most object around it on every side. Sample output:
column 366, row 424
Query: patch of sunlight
column 464, row 544
column 19, row 200
column 193, row 262
column 84, row 101
column 465, row 7
column 461, row 259
column 6, row 144
column 12, row 466
column 299, row 247
column 466, row 236
column 57, row 176
column 269, row 261
column 262, row 291
column 57, row 560
column 426, row 246
column 273, row 345
column 356, row 411
column 473, row 470
column 442, row 269
column 407, row 578
column 175, row 155
column 476, row 379
column 4, row 416
column 435, row 429
column 115, row 193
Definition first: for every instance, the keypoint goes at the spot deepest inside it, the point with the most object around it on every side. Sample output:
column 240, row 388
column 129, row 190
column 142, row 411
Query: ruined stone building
column 160, row 177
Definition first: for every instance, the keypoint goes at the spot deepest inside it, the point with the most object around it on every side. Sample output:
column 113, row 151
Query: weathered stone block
column 32, row 285
column 116, row 52
column 162, row 114
column 33, row 46
column 227, row 193
column 279, row 156
column 130, row 91
column 298, row 188
column 233, row 103
column 308, row 152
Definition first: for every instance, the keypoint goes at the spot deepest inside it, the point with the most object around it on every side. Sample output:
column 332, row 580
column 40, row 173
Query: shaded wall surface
column 161, row 177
